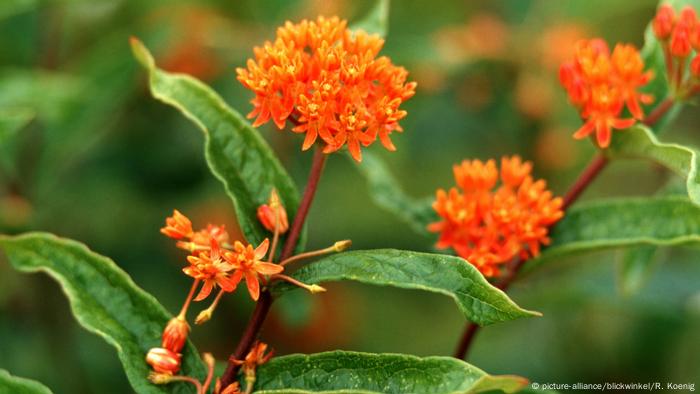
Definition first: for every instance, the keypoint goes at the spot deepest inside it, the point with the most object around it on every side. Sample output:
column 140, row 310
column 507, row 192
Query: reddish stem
column 589, row 174
column 263, row 305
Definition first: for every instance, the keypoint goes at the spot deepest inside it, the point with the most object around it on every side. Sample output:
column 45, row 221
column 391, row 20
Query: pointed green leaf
column 236, row 153
column 105, row 301
column 452, row 276
column 15, row 385
column 353, row 372
column 376, row 21
column 386, row 192
column 660, row 221
column 640, row 142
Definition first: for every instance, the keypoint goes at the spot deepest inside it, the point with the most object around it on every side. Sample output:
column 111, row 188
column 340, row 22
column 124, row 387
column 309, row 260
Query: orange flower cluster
column 679, row 37
column 600, row 84
column 216, row 263
column 329, row 82
column 491, row 226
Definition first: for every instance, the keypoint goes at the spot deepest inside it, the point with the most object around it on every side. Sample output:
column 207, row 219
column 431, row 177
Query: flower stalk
column 262, row 307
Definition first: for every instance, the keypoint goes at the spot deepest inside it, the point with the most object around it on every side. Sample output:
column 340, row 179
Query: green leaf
column 386, row 192
column 236, row 153
column 636, row 267
column 15, row 385
column 660, row 221
column 376, row 21
column 640, row 142
column 105, row 301
column 12, row 120
column 353, row 372
column 10, row 8
column 452, row 276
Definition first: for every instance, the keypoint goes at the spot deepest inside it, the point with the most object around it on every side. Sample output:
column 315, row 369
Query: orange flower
column 488, row 225
column 209, row 267
column 177, row 226
column 601, row 84
column 247, row 263
column 255, row 357
column 329, row 82
column 200, row 240
column 233, row 388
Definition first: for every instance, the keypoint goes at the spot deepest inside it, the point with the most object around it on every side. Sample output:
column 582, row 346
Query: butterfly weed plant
column 326, row 84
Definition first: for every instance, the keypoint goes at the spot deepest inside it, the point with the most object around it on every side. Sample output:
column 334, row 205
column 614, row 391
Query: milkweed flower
column 601, row 84
column 255, row 357
column 490, row 223
column 330, row 83
column 179, row 227
column 209, row 267
column 248, row 264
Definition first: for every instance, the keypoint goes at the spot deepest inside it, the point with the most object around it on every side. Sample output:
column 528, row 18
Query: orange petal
column 268, row 268
column 205, row 291
column 261, row 250
column 251, row 280
column 585, row 130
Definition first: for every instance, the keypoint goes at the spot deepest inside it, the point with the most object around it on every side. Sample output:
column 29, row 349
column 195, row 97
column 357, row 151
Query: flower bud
column 663, row 22
column 177, row 226
column 680, row 42
column 203, row 317
column 342, row 245
column 175, row 334
column 270, row 213
column 163, row 360
column 160, row 378
column 695, row 67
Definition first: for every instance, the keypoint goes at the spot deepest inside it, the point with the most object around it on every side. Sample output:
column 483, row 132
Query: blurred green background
column 102, row 162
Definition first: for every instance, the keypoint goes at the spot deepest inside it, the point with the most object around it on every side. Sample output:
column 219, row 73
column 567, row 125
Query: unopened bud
column 663, row 22
column 695, row 67
column 316, row 289
column 273, row 213
column 203, row 317
column 175, row 334
column 163, row 360
column 680, row 42
column 342, row 245
column 160, row 378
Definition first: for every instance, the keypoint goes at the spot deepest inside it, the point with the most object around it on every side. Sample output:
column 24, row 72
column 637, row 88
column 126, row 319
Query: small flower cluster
column 601, row 84
column 680, row 39
column 214, row 262
column 490, row 227
column 329, row 82
column 215, row 266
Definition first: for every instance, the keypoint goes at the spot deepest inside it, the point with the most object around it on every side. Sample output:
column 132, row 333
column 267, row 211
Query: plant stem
column 317, row 166
column 263, row 305
column 589, row 174
column 186, row 305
